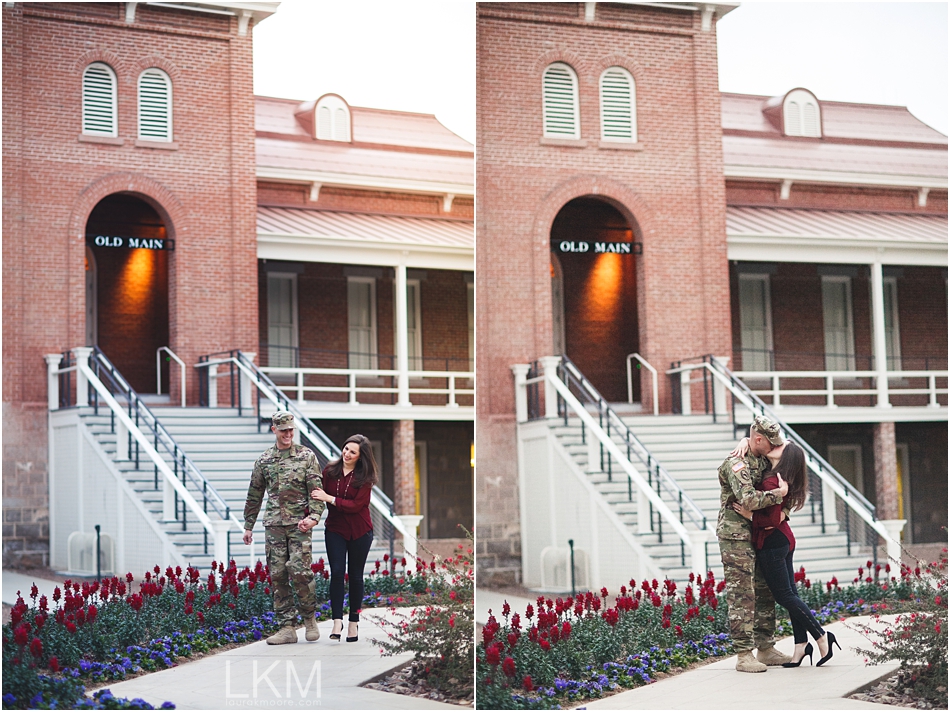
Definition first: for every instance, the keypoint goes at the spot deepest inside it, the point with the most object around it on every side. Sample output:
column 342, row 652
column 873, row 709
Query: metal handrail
column 638, row 357
column 324, row 448
column 158, row 371
column 664, row 479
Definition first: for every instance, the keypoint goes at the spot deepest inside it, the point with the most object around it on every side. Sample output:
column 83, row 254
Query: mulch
column 898, row 689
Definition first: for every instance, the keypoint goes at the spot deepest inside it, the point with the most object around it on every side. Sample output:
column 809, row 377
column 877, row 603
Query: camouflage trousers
column 751, row 604
column 289, row 559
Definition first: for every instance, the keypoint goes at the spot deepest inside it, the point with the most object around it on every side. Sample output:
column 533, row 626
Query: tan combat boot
column 283, row 636
column 310, row 623
column 771, row 656
column 747, row 663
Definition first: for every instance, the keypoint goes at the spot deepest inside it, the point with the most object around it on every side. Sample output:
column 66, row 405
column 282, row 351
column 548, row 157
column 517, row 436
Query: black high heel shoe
column 832, row 641
column 809, row 651
column 354, row 638
column 336, row 636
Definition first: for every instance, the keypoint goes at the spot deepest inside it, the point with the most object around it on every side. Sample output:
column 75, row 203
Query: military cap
column 283, row 420
column 768, row 428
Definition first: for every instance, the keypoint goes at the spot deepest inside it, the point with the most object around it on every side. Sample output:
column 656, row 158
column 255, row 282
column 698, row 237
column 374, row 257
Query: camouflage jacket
column 737, row 480
column 288, row 476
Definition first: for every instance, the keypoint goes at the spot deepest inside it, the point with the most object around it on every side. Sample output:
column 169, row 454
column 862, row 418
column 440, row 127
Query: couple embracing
column 761, row 482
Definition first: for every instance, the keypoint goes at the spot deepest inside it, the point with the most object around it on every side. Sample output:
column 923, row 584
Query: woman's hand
column 322, row 496
column 742, row 511
column 306, row 524
column 742, row 449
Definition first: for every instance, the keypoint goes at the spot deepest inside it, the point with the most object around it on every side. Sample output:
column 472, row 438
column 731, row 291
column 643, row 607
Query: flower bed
column 571, row 649
column 110, row 629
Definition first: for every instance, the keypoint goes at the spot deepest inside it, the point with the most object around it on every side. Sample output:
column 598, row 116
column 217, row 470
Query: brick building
column 626, row 206
column 150, row 200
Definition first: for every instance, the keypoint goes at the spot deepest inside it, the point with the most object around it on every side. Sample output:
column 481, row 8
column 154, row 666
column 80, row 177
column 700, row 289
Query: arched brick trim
column 577, row 63
column 633, row 206
column 157, row 61
column 619, row 60
column 119, row 66
column 165, row 202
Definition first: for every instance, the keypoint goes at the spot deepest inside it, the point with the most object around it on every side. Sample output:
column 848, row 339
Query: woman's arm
column 358, row 502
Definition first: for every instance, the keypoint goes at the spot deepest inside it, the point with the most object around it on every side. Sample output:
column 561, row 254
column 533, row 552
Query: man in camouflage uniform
column 751, row 604
column 288, row 473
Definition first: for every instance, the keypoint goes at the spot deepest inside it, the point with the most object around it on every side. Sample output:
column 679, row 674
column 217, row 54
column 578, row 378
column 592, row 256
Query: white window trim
column 855, row 451
column 374, row 348
column 849, row 314
column 904, row 482
column 575, row 103
column 765, row 278
column 632, row 85
column 333, row 103
column 295, row 325
column 894, row 362
column 801, row 98
column 114, row 131
column 421, row 467
column 169, row 98
column 415, row 306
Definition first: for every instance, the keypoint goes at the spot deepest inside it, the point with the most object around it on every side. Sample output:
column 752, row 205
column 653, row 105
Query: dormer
column 326, row 119
column 798, row 113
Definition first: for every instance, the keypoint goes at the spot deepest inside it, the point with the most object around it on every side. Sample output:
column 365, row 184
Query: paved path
column 325, row 674
column 719, row 687
column 486, row 599
column 13, row 582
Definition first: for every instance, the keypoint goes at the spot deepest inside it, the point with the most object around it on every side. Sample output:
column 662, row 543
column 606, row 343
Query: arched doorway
column 128, row 258
column 593, row 258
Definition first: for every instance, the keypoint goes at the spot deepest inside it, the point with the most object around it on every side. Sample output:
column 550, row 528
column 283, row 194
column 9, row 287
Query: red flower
column 34, row 592
column 188, row 609
column 710, row 618
column 54, row 664
column 545, row 645
column 201, row 617
column 508, row 666
column 36, row 647
column 529, row 612
column 493, row 654
column 666, row 622
column 513, row 639
column 92, row 613
column 527, row 683
column 566, row 630
column 22, row 634
column 679, row 631
column 70, row 626
column 516, row 621
column 57, row 594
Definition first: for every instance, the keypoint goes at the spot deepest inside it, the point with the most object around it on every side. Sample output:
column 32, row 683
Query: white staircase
column 223, row 445
column 691, row 448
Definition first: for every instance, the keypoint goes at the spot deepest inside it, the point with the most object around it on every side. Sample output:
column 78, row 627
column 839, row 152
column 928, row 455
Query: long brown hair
column 794, row 471
column 365, row 471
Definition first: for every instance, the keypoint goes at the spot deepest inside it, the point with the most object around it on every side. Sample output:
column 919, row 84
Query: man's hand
column 782, row 485
column 248, row 536
column 306, row 524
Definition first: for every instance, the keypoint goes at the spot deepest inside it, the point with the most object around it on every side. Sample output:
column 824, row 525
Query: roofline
column 765, row 97
column 802, row 175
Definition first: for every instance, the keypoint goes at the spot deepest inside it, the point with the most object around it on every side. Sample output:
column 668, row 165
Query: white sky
column 415, row 55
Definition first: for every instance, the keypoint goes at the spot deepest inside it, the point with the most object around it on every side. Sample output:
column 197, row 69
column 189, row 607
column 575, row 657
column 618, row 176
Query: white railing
column 832, row 482
column 638, row 357
column 217, row 529
column 353, row 388
column 694, row 540
column 896, row 385
column 252, row 376
column 158, row 371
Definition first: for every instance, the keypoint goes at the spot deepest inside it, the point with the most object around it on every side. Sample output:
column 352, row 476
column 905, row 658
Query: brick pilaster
column 404, row 466
column 885, row 470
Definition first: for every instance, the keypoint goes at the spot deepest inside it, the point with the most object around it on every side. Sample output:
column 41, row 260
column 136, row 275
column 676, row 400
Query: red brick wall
column 835, row 197
column 203, row 188
column 672, row 189
column 363, row 201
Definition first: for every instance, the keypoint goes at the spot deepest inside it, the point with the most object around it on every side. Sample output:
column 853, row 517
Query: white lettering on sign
column 582, row 246
column 571, row 246
column 146, row 243
column 142, row 243
column 102, row 241
column 621, row 248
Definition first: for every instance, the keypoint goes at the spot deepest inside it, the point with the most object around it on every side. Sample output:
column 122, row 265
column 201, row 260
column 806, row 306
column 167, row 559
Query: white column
column 829, row 503
column 221, row 527
column 894, row 528
column 719, row 388
column 82, row 385
column 247, row 386
column 643, row 512
column 698, row 550
column 52, row 380
column 121, row 440
column 402, row 333
column 410, row 543
column 168, row 501
column 213, row 385
column 521, row 391
column 549, row 366
column 685, row 398
column 880, row 340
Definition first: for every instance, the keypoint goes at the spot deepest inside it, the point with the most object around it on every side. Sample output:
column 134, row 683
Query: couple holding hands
column 761, row 482
column 297, row 495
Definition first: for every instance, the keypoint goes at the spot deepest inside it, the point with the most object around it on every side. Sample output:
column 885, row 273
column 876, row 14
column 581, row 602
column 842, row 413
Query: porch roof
column 358, row 238
column 835, row 236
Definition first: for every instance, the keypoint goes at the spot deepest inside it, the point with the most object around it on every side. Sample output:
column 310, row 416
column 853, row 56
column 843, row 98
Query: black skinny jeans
column 777, row 568
column 341, row 552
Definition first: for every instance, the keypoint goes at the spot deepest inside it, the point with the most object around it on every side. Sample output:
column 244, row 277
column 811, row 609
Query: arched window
column 802, row 114
column 333, row 119
column 561, row 116
column 618, row 106
column 155, row 105
column 99, row 114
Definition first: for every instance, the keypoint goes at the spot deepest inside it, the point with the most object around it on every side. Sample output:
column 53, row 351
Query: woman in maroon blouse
column 347, row 485
column 774, row 544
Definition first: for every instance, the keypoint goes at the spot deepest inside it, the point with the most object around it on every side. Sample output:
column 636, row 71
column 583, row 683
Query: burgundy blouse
column 770, row 517
column 349, row 517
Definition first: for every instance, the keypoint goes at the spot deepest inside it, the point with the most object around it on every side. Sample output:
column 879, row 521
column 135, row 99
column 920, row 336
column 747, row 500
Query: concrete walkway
column 13, row 582
column 719, row 687
column 486, row 600
column 325, row 674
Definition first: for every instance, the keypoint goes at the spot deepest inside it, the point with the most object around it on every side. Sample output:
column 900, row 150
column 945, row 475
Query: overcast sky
column 419, row 56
